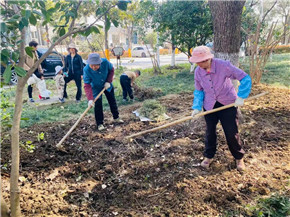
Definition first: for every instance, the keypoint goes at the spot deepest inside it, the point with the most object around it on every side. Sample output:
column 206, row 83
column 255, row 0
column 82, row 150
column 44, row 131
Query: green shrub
column 274, row 206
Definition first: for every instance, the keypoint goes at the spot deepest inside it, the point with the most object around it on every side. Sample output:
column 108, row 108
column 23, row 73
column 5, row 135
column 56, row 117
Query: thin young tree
column 17, row 16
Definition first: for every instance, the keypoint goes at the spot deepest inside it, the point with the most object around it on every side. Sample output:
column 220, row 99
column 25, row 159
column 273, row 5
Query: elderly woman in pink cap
column 213, row 89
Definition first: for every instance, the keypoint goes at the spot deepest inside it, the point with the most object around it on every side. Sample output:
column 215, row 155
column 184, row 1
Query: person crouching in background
column 127, row 79
column 59, row 81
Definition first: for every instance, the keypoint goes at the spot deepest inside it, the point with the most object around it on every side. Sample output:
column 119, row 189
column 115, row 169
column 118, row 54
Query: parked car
column 141, row 51
column 54, row 59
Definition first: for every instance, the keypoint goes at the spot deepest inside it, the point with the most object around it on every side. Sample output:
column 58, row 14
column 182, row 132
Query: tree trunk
column 173, row 56
column 47, row 35
column 15, row 155
column 14, row 188
column 285, row 29
column 227, row 25
column 157, row 51
column 106, row 39
column 130, row 33
column 226, row 17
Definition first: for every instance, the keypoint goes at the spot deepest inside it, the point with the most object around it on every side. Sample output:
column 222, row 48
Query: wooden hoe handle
column 190, row 117
column 78, row 121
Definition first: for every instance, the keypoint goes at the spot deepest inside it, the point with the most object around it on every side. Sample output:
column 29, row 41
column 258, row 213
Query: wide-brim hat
column 200, row 54
column 57, row 69
column 72, row 45
column 94, row 59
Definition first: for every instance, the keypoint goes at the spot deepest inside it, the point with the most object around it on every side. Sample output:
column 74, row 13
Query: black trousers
column 126, row 86
column 29, row 90
column 229, row 120
column 99, row 114
column 78, row 80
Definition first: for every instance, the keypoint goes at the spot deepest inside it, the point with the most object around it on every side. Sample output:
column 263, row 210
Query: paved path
column 143, row 63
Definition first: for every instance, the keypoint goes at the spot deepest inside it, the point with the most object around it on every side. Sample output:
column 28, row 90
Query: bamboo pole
column 78, row 121
column 190, row 117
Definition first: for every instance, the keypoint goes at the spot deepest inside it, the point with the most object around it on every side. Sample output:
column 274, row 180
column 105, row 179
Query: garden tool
column 59, row 146
column 189, row 118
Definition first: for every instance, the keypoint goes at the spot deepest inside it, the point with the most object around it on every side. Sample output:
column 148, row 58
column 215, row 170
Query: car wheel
column 14, row 78
column 143, row 55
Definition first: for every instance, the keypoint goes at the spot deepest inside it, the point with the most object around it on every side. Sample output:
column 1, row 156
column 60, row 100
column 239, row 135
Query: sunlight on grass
column 277, row 73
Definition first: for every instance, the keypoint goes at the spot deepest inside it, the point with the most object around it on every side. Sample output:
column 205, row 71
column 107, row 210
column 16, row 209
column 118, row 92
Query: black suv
column 54, row 59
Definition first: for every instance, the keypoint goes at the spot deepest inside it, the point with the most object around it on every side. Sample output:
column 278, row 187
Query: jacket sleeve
column 110, row 75
column 198, row 93
column 198, row 99
column 81, row 64
column 89, row 91
column 26, row 66
column 245, row 87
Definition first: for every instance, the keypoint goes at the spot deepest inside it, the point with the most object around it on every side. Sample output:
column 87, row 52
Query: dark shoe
column 31, row 100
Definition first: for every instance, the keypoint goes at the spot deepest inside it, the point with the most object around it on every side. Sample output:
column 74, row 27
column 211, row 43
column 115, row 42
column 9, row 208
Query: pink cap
column 200, row 54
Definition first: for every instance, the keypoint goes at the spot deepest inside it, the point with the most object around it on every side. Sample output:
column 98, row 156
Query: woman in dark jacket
column 74, row 67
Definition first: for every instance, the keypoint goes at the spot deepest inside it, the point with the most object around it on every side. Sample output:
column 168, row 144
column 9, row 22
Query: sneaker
column 206, row 162
column 132, row 100
column 78, row 101
column 118, row 120
column 240, row 165
column 31, row 100
column 125, row 100
column 61, row 100
column 101, row 127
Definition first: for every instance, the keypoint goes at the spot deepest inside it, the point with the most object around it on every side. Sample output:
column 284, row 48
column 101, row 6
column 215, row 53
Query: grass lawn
column 277, row 72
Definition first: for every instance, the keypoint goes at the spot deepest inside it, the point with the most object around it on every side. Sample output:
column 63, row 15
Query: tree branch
column 69, row 33
column 268, row 11
column 74, row 19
